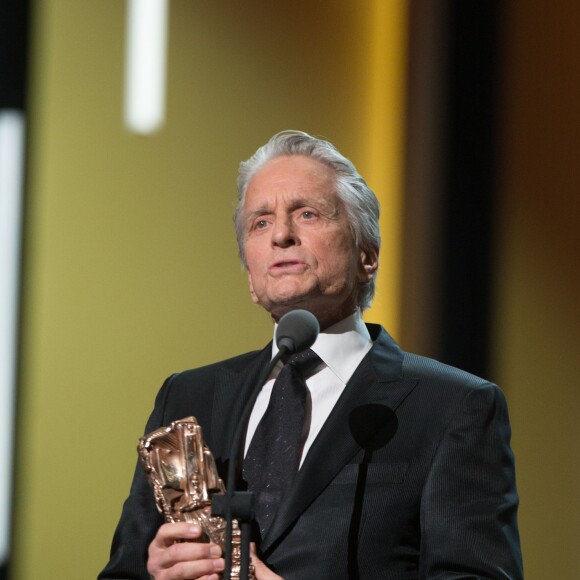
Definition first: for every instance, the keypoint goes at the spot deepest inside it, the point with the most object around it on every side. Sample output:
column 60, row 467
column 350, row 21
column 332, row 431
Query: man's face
column 299, row 249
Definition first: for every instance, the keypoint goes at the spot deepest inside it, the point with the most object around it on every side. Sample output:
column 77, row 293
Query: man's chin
column 280, row 308
column 326, row 310
column 282, row 304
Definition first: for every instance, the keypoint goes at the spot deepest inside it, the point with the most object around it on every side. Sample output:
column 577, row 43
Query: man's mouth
column 287, row 267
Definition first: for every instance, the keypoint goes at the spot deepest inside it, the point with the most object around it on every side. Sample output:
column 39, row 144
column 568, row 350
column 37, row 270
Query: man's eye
column 308, row 215
column 260, row 224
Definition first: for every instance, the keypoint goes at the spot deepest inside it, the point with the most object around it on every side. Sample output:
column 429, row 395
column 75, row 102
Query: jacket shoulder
column 441, row 375
column 237, row 363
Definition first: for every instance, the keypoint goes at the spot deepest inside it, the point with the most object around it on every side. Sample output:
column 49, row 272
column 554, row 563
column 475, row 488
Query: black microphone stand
column 240, row 504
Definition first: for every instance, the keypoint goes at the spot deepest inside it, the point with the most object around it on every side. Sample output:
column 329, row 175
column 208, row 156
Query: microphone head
column 297, row 330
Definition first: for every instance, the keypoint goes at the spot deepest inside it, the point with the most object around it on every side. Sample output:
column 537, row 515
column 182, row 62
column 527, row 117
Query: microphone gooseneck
column 297, row 330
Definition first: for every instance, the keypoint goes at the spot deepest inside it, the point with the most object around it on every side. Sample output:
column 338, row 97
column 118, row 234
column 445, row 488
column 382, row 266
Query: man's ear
column 251, row 286
column 369, row 262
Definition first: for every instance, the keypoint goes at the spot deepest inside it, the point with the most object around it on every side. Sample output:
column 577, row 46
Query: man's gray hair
column 361, row 204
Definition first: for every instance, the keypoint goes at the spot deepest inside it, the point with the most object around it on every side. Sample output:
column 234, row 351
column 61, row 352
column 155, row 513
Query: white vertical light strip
column 145, row 68
column 11, row 180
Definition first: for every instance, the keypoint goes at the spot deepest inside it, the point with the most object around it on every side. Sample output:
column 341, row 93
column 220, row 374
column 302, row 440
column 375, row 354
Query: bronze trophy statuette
column 183, row 474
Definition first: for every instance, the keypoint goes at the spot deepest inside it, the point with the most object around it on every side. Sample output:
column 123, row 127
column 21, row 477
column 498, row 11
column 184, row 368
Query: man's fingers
column 168, row 534
column 186, row 552
column 262, row 571
column 187, row 570
column 175, row 554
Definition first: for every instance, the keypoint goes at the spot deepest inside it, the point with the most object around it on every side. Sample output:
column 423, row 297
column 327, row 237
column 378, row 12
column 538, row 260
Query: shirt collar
column 342, row 346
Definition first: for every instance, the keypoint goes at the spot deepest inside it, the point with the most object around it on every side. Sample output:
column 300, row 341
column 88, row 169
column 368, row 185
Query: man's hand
column 262, row 572
column 174, row 555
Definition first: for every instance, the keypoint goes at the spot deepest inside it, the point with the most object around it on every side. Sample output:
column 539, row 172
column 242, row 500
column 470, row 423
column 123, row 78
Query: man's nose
column 284, row 233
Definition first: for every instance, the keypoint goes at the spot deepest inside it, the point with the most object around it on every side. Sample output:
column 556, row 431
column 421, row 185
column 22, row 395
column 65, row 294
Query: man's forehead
column 275, row 198
column 290, row 181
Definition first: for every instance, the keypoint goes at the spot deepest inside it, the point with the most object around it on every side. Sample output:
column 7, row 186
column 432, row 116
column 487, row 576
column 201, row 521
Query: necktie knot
column 304, row 361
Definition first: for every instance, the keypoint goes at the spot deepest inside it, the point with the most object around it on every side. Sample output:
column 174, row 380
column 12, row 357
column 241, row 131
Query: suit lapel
column 233, row 387
column 378, row 379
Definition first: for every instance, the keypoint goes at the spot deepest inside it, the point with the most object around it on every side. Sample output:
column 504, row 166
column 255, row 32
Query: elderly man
column 431, row 496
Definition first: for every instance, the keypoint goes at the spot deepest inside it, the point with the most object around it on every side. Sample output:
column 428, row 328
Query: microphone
column 297, row 330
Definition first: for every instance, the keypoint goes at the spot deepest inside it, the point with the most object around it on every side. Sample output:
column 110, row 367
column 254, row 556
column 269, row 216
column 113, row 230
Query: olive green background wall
column 131, row 270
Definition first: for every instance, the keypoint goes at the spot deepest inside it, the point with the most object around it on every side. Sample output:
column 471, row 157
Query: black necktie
column 274, row 452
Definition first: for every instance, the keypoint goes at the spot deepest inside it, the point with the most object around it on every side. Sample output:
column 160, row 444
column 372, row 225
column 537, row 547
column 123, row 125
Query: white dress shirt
column 341, row 348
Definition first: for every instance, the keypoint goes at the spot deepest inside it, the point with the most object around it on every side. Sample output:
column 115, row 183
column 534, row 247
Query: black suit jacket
column 432, row 496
